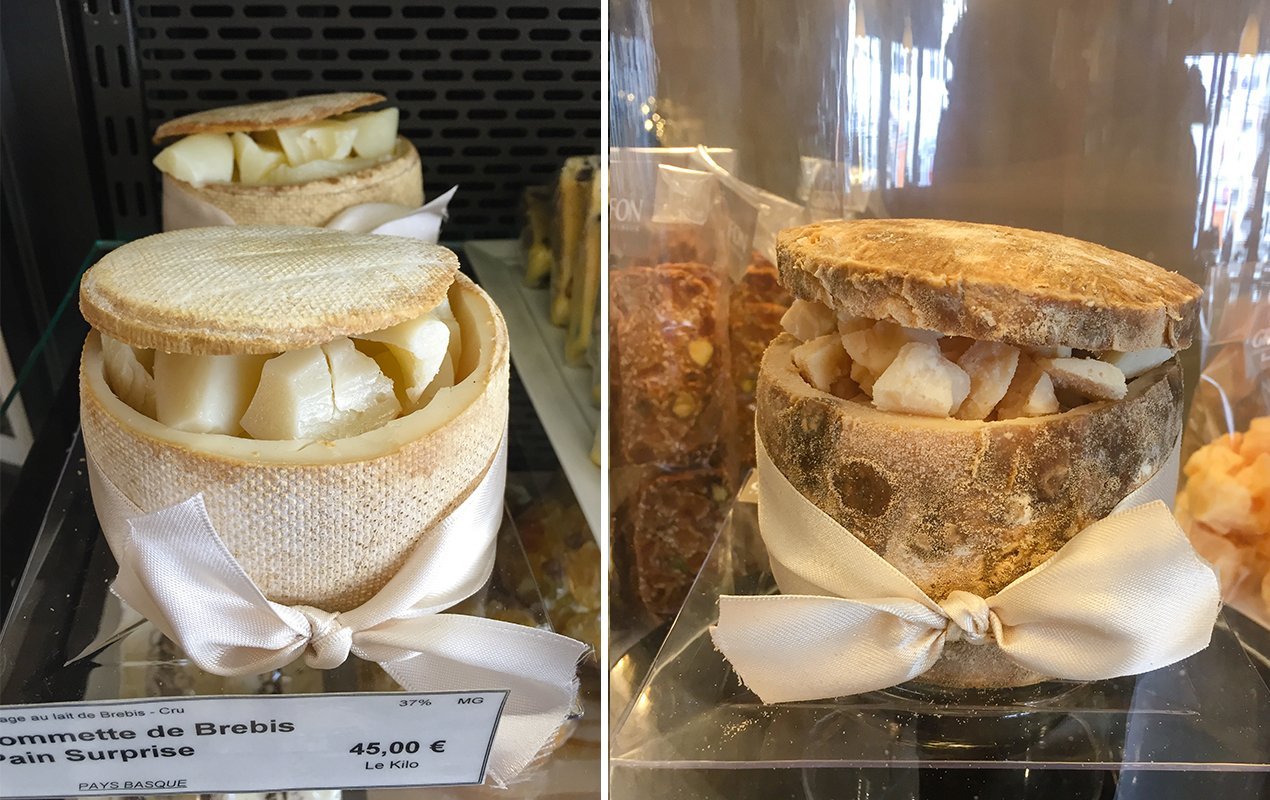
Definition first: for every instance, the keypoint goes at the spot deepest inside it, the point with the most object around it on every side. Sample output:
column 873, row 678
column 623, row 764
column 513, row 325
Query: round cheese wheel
column 325, row 524
column 964, row 504
column 312, row 204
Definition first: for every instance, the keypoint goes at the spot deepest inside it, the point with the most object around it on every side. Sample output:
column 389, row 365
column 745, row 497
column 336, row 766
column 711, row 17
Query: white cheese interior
column 299, row 154
column 925, row 373
column 334, row 391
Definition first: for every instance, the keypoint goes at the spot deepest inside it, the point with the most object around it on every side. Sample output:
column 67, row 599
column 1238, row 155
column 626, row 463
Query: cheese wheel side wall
column 958, row 504
column 325, row 535
column 315, row 203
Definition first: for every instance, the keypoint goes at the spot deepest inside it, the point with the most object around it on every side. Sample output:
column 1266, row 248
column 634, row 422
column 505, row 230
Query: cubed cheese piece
column 326, row 140
column 443, row 380
column 199, row 159
column 363, row 394
column 1136, row 362
column 1092, row 378
column 991, row 367
column 862, row 377
column 419, row 345
column 376, row 132
column 851, row 324
column 1257, row 439
column 921, row 381
column 806, row 320
column 320, row 170
column 205, row 394
column 1256, row 478
column 877, row 347
column 822, row 361
column 255, row 162
column 126, row 376
column 1215, row 457
column 295, row 398
column 1031, row 392
column 446, row 315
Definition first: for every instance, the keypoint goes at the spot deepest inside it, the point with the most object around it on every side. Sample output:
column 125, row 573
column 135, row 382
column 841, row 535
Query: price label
column 259, row 743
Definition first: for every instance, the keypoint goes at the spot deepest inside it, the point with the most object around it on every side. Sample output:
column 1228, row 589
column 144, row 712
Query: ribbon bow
column 175, row 571
column 1126, row 595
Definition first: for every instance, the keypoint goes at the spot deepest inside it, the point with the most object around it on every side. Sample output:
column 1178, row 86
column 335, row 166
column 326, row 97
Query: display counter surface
column 689, row 722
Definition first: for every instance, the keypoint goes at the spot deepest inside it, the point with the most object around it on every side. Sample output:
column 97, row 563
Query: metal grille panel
column 494, row 94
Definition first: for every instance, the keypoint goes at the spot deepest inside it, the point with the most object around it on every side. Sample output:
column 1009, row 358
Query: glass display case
column 1144, row 127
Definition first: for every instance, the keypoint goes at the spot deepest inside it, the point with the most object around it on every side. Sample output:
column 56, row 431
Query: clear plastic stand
column 692, row 724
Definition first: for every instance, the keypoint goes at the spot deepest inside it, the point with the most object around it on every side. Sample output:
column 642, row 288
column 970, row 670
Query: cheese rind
column 199, row 159
column 205, row 394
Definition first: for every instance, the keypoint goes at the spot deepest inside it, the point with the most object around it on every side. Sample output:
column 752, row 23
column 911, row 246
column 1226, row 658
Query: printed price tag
column 248, row 744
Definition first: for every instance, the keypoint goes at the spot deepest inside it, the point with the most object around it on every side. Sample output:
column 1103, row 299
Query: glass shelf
column 692, row 725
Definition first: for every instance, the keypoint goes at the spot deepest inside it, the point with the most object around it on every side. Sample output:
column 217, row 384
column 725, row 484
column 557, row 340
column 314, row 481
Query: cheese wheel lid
column 989, row 282
column 267, row 116
column 261, row 289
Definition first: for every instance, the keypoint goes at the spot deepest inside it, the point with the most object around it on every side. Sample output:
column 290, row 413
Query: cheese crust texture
column 313, row 203
column 321, row 523
column 964, row 504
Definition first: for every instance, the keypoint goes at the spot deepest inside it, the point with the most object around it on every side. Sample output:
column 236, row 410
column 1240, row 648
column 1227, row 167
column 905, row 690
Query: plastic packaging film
column 1013, row 114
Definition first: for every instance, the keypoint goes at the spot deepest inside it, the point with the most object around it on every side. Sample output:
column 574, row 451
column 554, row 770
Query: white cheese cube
column 326, row 140
column 254, row 162
column 295, row 398
column 363, row 394
column 1092, row 378
column 862, row 378
column 921, row 381
column 127, row 376
column 991, row 367
column 443, row 380
column 1137, row 362
column 205, row 394
column 877, row 347
column 376, row 132
column 199, row 159
column 1031, row 393
column 419, row 345
column 806, row 320
column 822, row 361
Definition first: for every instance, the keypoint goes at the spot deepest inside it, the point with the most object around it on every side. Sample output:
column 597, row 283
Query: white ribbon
column 184, row 209
column 1126, row 595
column 175, row 570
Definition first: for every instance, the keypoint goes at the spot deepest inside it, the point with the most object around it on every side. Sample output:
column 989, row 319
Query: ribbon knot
column 329, row 639
column 969, row 617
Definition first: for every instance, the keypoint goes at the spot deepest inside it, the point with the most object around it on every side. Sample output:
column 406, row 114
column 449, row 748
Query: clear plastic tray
column 691, row 716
